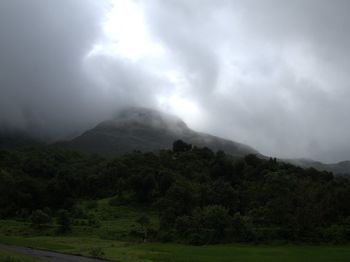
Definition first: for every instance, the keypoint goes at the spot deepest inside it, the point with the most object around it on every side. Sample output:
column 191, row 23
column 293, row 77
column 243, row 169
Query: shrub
column 337, row 234
column 39, row 218
column 64, row 221
column 93, row 221
column 114, row 202
column 96, row 252
column 92, row 204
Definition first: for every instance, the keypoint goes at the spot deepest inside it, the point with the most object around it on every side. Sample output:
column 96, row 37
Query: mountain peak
column 137, row 128
column 146, row 117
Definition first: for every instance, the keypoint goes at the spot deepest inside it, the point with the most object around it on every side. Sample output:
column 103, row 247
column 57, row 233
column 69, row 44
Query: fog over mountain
column 147, row 130
column 271, row 74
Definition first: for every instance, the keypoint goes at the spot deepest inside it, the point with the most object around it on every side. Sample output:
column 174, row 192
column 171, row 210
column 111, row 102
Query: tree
column 210, row 224
column 165, row 181
column 143, row 185
column 64, row 222
column 181, row 146
column 252, row 160
column 216, row 218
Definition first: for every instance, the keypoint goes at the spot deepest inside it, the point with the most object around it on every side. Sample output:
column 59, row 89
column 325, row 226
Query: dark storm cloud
column 41, row 49
column 273, row 74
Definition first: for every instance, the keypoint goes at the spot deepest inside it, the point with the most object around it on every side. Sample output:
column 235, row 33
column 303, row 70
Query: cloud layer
column 43, row 86
column 272, row 74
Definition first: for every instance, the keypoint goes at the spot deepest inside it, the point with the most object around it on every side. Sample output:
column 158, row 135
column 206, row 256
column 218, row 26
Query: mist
column 271, row 74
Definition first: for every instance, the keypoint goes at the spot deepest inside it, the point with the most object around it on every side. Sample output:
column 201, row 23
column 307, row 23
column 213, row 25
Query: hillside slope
column 12, row 138
column 147, row 130
column 340, row 168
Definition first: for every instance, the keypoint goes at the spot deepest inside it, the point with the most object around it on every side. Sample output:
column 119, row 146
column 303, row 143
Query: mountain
column 340, row 168
column 147, row 130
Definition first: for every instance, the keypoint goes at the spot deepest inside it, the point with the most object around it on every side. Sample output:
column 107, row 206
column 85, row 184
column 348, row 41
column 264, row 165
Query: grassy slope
column 114, row 238
column 115, row 223
column 11, row 257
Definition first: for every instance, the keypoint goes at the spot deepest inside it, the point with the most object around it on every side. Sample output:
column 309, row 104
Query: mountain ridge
column 148, row 130
column 144, row 129
column 339, row 168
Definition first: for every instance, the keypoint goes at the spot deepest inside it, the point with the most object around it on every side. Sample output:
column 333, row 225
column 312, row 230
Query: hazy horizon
column 270, row 74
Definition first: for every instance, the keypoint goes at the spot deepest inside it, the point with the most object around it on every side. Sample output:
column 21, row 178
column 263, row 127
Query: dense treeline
column 201, row 196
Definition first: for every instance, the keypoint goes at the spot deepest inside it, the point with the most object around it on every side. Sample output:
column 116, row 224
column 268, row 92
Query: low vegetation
column 11, row 257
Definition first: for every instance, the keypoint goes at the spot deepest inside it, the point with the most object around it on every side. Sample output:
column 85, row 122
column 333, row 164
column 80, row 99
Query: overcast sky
column 269, row 73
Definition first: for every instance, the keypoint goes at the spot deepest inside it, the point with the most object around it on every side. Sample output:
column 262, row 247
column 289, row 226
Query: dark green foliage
column 181, row 146
column 115, row 201
column 211, row 223
column 201, row 196
column 144, row 221
column 64, row 221
column 96, row 252
column 143, row 184
column 91, row 204
column 39, row 218
column 93, row 221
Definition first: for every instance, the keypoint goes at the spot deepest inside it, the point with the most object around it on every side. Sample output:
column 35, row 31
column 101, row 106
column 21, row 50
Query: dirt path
column 47, row 255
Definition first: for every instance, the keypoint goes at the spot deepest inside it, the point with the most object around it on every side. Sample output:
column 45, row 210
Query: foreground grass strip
column 245, row 253
column 132, row 252
column 12, row 257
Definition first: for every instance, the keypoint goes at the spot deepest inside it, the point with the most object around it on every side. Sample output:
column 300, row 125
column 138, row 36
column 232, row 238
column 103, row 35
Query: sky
column 272, row 74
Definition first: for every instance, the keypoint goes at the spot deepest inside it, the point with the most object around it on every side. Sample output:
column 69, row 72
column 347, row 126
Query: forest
column 199, row 196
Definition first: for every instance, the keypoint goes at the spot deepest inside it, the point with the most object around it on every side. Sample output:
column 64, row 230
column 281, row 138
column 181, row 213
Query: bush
column 197, row 239
column 337, row 234
column 212, row 220
column 144, row 222
column 205, row 225
column 92, row 204
column 241, row 228
column 79, row 212
column 39, row 218
column 114, row 202
column 167, row 236
column 184, row 225
column 64, row 221
column 23, row 214
column 93, row 221
column 96, row 252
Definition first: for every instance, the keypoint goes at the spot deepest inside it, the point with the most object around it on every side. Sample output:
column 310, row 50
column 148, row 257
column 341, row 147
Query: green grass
column 11, row 257
column 146, row 252
column 116, row 223
column 116, row 241
column 247, row 253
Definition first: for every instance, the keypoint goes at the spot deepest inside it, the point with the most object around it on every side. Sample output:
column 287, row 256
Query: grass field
column 116, row 223
column 146, row 252
column 11, row 257
column 114, row 239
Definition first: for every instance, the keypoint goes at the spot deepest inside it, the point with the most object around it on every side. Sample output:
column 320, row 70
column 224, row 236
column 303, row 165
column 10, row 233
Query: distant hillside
column 147, row 130
column 340, row 168
column 10, row 139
